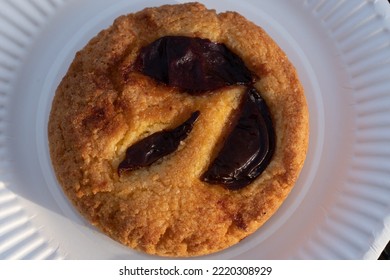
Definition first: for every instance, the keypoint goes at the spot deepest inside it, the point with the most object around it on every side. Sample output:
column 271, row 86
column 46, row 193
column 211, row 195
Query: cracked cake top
column 104, row 105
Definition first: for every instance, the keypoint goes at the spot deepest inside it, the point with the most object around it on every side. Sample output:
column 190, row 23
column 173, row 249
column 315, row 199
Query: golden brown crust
column 101, row 107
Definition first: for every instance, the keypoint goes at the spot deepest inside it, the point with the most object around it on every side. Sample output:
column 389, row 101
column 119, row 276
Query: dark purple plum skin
column 193, row 64
column 248, row 148
column 150, row 149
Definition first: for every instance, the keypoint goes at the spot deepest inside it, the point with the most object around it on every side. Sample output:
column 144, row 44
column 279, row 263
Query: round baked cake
column 179, row 131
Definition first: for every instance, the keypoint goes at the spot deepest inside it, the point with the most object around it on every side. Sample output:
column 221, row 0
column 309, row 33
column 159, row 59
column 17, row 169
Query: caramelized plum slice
column 152, row 148
column 193, row 64
column 198, row 65
column 249, row 147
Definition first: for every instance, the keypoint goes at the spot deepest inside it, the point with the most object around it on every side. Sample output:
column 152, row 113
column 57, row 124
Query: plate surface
column 340, row 207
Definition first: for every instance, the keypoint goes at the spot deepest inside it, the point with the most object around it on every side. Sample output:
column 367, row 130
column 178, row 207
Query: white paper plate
column 340, row 207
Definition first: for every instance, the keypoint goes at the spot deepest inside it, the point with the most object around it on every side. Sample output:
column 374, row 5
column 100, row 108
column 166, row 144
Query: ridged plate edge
column 20, row 22
column 361, row 32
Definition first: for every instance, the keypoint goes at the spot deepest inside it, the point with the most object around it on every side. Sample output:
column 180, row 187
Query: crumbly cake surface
column 102, row 107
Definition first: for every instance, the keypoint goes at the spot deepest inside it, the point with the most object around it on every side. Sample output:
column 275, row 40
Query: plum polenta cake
column 179, row 131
